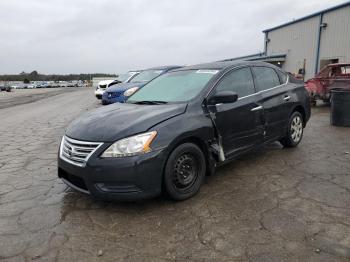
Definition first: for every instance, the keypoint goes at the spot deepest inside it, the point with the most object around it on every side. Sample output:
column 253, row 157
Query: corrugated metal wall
column 299, row 41
column 335, row 38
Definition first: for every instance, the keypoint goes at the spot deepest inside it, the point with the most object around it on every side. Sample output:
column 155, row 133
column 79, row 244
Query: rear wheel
column 295, row 130
column 184, row 171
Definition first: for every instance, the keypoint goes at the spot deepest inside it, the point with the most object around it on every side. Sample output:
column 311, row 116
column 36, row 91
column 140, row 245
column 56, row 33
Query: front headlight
column 131, row 91
column 131, row 146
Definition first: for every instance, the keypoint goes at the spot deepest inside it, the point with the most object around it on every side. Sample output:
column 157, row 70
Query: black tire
column 184, row 171
column 295, row 130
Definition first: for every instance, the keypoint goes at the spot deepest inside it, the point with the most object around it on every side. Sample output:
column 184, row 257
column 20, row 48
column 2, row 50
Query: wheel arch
column 203, row 146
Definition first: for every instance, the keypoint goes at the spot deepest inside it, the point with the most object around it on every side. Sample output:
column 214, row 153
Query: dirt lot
column 23, row 96
column 271, row 205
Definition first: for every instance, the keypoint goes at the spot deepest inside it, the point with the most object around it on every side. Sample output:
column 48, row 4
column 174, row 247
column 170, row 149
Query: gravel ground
column 274, row 204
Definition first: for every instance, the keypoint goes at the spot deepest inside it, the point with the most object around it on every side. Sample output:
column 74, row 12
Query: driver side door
column 240, row 124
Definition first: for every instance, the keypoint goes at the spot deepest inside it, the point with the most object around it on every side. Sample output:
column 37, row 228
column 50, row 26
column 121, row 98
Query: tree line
column 35, row 76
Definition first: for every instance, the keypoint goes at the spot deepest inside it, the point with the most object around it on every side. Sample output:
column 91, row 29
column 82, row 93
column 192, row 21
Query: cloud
column 72, row 36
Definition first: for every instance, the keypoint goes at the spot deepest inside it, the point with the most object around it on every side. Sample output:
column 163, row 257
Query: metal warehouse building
column 305, row 45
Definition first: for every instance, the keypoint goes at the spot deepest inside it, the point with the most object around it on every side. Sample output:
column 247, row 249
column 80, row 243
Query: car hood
column 116, row 121
column 105, row 82
column 123, row 86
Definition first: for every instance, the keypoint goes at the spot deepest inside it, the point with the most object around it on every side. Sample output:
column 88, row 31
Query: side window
column 266, row 78
column 345, row 70
column 239, row 81
column 283, row 76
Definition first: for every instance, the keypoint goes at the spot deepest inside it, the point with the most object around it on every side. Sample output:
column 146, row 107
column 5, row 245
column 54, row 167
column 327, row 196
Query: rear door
column 274, row 99
column 240, row 123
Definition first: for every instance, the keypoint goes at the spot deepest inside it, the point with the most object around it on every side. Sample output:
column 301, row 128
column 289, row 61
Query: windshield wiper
column 150, row 102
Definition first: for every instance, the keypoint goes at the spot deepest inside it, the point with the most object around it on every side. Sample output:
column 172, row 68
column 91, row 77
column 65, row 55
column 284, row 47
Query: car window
column 239, row 81
column 345, row 70
column 325, row 72
column 335, row 71
column 146, row 76
column 123, row 77
column 177, row 86
column 266, row 78
column 283, row 76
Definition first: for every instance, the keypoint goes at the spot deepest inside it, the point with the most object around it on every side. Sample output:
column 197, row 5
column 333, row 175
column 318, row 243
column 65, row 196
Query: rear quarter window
column 266, row 78
column 345, row 70
column 292, row 79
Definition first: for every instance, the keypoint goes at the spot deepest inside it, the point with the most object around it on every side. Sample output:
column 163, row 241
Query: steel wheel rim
column 296, row 129
column 186, row 171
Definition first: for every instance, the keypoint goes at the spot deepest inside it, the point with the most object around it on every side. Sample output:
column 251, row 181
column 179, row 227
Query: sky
column 114, row 36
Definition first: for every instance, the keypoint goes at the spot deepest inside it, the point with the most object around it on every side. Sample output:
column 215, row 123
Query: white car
column 122, row 78
column 31, row 86
column 102, row 85
column 63, row 84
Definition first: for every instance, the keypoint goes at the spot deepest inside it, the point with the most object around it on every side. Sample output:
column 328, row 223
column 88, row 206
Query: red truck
column 332, row 76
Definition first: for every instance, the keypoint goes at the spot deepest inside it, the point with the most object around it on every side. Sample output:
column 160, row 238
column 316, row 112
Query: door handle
column 286, row 98
column 256, row 108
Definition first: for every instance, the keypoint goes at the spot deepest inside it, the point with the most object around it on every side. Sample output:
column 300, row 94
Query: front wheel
column 184, row 171
column 294, row 132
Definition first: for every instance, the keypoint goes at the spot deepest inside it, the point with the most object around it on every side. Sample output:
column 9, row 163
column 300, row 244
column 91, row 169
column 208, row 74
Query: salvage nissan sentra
column 179, row 127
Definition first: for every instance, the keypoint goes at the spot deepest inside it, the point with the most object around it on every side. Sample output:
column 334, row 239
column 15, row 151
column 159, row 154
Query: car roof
column 169, row 67
column 338, row 64
column 220, row 65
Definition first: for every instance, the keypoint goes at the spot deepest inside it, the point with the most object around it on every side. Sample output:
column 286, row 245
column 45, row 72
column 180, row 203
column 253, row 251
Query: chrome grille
column 77, row 152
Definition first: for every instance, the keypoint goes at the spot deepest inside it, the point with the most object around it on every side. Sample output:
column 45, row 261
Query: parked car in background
column 54, row 84
column 15, row 85
column 333, row 76
column 31, row 86
column 5, row 87
column 22, row 86
column 121, row 92
column 41, row 85
column 73, row 83
column 122, row 78
column 179, row 127
column 80, row 83
column 63, row 84
column 101, row 87
column 18, row 86
column 51, row 84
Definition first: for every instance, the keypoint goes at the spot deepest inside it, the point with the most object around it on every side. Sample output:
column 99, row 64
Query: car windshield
column 146, row 76
column 177, row 86
column 123, row 77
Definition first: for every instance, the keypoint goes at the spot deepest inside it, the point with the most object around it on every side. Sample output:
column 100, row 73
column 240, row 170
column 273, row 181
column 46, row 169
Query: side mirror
column 223, row 97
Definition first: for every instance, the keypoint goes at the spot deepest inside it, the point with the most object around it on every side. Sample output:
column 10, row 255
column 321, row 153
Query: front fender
column 195, row 128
